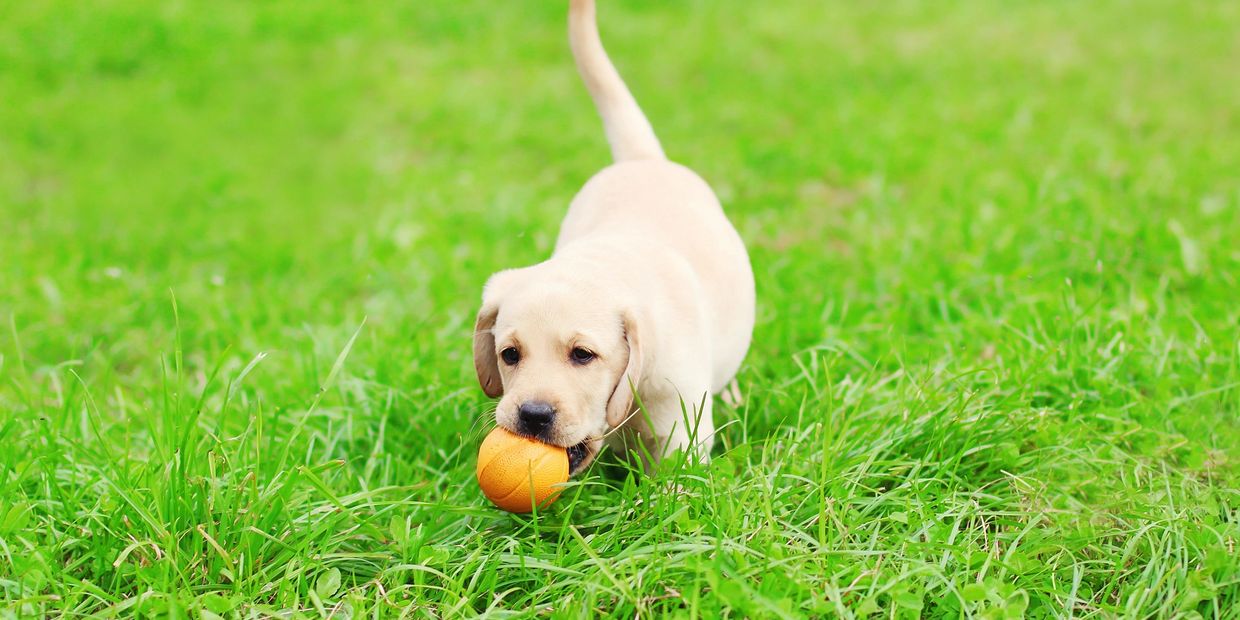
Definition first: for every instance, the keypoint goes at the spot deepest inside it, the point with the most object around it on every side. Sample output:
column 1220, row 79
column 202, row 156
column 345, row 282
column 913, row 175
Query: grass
column 996, row 370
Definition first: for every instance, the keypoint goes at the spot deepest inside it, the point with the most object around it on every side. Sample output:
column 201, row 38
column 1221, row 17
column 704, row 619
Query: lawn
column 996, row 370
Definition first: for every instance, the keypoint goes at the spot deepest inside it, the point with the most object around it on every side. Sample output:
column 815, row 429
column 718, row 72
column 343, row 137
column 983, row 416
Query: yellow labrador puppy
column 649, row 291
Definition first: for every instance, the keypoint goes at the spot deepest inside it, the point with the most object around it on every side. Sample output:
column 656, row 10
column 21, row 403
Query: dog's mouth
column 579, row 455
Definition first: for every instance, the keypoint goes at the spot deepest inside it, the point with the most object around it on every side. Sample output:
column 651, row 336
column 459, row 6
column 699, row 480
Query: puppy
column 649, row 293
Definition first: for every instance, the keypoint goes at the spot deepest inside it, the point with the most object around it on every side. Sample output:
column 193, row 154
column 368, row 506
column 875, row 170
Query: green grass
column 996, row 369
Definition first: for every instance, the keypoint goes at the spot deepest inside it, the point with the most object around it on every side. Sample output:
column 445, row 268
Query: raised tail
column 628, row 131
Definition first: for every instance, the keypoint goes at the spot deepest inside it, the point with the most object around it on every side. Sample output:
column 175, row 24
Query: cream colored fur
column 648, row 274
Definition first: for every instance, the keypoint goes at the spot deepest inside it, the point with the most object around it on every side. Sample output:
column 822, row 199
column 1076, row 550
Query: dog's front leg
column 675, row 424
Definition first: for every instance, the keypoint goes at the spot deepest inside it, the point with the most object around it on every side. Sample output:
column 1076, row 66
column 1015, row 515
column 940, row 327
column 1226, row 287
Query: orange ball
column 517, row 473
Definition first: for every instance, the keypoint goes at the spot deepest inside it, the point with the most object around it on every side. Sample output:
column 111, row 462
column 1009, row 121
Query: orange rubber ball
column 517, row 473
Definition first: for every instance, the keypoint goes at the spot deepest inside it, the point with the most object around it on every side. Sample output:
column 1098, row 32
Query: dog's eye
column 510, row 356
column 581, row 356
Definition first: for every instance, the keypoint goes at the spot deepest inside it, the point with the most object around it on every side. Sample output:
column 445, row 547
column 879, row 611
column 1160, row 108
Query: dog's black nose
column 535, row 416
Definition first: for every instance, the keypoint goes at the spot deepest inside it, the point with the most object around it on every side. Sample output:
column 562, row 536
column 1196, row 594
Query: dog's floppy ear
column 620, row 405
column 485, row 361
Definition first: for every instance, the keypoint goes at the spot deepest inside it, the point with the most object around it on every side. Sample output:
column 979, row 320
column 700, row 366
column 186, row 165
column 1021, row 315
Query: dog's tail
column 628, row 131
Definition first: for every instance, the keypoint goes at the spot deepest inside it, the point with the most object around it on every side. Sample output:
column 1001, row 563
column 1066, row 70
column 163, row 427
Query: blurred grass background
column 997, row 346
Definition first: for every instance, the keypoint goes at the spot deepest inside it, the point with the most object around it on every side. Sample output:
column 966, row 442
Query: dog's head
column 562, row 356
